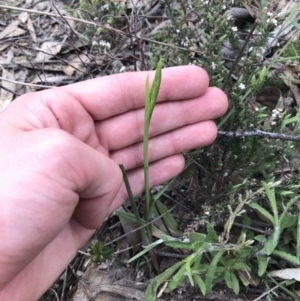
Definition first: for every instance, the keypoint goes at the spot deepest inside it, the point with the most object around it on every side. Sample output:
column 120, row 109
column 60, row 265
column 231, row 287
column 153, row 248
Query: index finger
column 115, row 94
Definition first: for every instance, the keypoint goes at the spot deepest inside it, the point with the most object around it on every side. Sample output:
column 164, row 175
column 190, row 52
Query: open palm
column 59, row 156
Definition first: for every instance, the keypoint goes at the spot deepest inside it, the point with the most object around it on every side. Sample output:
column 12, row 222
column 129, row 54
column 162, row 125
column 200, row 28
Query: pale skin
column 59, row 156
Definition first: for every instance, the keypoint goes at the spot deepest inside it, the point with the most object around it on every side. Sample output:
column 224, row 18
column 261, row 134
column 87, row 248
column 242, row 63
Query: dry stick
column 269, row 291
column 26, row 84
column 240, row 54
column 259, row 133
column 97, row 25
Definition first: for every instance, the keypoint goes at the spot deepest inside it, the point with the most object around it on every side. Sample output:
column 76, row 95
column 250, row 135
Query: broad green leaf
column 235, row 283
column 211, row 271
column 262, row 211
column 227, row 279
column 262, row 264
column 212, row 236
column 197, row 237
column 287, row 257
column 150, row 294
column 201, row 284
column 287, row 221
column 240, row 266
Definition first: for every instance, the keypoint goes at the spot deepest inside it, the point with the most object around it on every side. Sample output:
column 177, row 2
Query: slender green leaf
column 177, row 244
column 273, row 240
column 155, row 86
column 211, row 271
column 147, row 249
column 298, row 238
column 167, row 216
column 150, row 294
column 177, row 278
column 290, row 258
column 270, row 192
column 262, row 211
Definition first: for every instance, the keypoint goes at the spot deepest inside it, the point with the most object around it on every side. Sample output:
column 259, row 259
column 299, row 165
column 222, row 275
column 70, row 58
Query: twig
column 259, row 133
column 269, row 291
column 240, row 54
column 26, row 84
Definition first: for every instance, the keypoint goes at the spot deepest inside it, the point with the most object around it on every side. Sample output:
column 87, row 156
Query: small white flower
column 269, row 14
column 123, row 69
column 235, row 156
column 273, row 123
column 213, row 66
column 177, row 30
column 225, row 174
column 224, row 6
column 242, row 86
column 275, row 22
column 235, row 29
column 105, row 44
column 256, row 109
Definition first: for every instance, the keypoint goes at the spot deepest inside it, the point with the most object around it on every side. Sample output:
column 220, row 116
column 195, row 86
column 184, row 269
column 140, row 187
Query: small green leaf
column 195, row 237
column 235, row 283
column 201, row 284
column 211, row 271
column 150, row 294
column 212, row 236
column 227, row 279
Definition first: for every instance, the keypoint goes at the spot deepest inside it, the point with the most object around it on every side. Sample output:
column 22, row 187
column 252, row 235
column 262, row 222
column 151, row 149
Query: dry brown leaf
column 77, row 64
column 48, row 50
column 12, row 30
column 290, row 72
column 31, row 30
column 6, row 96
column 23, row 17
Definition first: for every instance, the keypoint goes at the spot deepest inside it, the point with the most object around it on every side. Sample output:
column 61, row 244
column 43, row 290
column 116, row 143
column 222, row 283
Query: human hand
column 59, row 155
